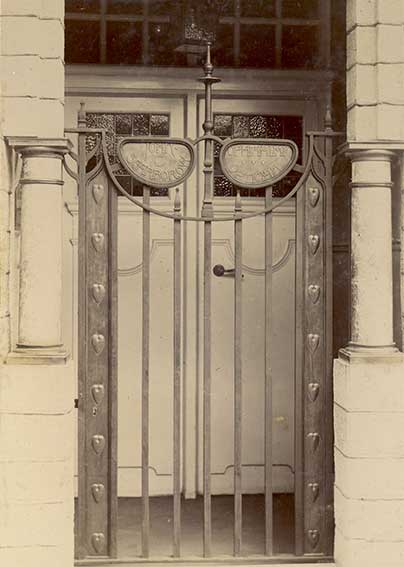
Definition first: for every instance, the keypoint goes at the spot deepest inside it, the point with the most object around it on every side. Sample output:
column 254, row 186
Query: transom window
column 247, row 33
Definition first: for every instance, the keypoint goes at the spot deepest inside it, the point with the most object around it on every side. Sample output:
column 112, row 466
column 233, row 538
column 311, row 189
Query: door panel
column 283, row 339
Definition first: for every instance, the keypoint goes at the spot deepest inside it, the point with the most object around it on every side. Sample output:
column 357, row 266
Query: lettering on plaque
column 157, row 163
column 257, row 163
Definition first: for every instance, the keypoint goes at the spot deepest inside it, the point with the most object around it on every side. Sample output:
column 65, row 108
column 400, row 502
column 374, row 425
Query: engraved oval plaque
column 157, row 162
column 257, row 163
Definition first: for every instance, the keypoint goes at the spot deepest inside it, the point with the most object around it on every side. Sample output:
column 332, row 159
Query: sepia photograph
column 201, row 283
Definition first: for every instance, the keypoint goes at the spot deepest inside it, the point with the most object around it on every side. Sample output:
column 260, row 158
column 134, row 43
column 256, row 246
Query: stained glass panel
column 256, row 126
column 141, row 124
column 159, row 125
column 117, row 127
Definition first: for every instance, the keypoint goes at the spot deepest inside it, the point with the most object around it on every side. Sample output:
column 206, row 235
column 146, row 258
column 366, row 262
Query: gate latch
column 221, row 271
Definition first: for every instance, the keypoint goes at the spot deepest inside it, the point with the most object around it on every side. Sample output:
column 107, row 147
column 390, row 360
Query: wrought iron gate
column 97, row 404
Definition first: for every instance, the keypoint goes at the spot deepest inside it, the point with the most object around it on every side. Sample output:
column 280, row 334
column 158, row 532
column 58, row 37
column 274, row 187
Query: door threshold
column 223, row 561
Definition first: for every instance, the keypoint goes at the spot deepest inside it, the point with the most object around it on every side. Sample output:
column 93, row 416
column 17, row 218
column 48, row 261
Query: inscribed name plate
column 257, row 163
column 158, row 163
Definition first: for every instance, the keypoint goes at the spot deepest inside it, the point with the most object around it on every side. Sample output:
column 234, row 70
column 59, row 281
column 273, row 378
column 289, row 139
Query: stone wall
column 368, row 376
column 36, row 397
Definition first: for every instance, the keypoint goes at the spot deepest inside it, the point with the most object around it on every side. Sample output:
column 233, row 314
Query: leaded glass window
column 119, row 125
column 248, row 33
column 256, row 126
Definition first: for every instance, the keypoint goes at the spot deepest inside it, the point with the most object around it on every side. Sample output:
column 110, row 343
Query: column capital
column 40, row 147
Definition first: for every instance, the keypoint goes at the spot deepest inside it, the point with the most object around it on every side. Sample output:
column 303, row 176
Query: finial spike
column 82, row 114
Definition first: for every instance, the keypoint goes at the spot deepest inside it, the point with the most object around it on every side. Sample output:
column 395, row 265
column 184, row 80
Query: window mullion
column 103, row 31
column 145, row 34
column 236, row 33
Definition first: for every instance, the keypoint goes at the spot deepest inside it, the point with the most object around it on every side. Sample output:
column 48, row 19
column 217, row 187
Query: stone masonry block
column 20, row 117
column 37, row 389
column 35, row 524
column 361, row 85
column 36, row 438
column 24, row 482
column 361, row 123
column 390, row 44
column 390, row 12
column 360, row 12
column 52, row 79
column 33, row 556
column 390, row 83
column 369, row 434
column 390, row 122
column 21, row 36
column 366, row 478
column 52, row 39
column 380, row 520
column 21, row 7
column 377, row 387
column 52, row 9
column 21, row 75
column 361, row 46
column 52, row 115
column 361, row 553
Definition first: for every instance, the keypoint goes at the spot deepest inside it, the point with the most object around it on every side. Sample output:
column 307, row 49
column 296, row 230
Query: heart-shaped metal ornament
column 98, row 542
column 97, row 391
column 98, row 491
column 313, row 389
column 98, row 193
column 98, row 239
column 314, row 195
column 313, row 536
column 98, row 342
column 314, row 490
column 314, row 439
column 314, row 292
column 314, row 242
column 98, row 291
column 98, row 443
column 313, row 342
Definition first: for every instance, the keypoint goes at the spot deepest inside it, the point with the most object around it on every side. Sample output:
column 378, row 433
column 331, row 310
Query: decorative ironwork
column 157, row 162
column 257, row 163
column 99, row 163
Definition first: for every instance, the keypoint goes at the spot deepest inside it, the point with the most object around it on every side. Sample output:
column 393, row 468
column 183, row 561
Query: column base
column 360, row 353
column 35, row 355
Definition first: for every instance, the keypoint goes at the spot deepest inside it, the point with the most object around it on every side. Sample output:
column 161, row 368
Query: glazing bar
column 268, row 377
column 238, row 243
column 177, row 382
column 145, row 376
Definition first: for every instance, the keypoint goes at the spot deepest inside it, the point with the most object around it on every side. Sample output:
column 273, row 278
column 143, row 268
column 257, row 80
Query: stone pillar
column 368, row 375
column 371, row 248
column 40, row 290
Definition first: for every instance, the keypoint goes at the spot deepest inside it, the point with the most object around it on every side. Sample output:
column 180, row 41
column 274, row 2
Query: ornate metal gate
column 97, row 404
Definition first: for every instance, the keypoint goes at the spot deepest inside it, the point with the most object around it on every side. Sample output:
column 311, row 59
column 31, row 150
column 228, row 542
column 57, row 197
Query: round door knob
column 219, row 270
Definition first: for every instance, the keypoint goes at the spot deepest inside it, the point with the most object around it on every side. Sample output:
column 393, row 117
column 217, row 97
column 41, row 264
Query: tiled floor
column 129, row 523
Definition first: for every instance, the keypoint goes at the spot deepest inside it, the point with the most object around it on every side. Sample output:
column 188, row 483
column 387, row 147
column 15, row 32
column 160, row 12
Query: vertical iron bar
column 81, row 549
column 207, row 212
column 268, row 377
column 177, row 380
column 238, row 244
column 145, row 376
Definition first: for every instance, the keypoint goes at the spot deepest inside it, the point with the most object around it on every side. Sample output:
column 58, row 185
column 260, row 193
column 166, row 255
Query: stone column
column 38, row 333
column 371, row 261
